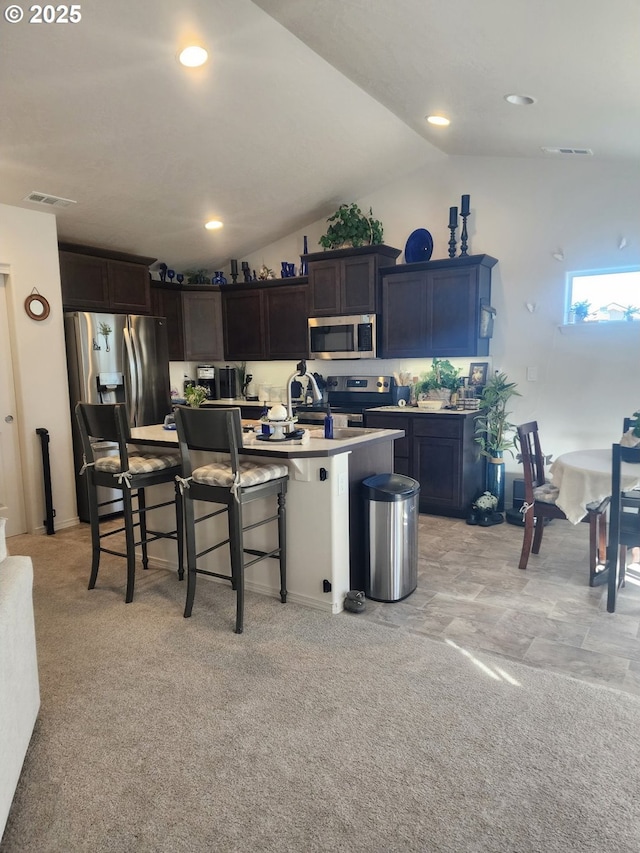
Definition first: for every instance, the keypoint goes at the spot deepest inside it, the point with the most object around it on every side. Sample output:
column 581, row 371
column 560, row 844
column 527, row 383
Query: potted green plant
column 630, row 311
column 580, row 310
column 439, row 381
column 195, row 395
column 350, row 228
column 494, row 432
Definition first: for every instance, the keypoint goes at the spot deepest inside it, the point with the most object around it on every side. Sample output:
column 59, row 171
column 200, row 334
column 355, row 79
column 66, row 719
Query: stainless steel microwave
column 352, row 336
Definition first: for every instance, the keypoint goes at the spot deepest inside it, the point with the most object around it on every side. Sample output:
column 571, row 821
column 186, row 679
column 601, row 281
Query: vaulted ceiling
column 302, row 105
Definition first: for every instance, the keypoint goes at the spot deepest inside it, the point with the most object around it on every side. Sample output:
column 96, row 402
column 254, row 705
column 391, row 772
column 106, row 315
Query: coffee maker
column 228, row 383
column 206, row 377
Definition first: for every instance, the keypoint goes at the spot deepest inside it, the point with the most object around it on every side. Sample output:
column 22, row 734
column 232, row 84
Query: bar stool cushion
column 142, row 463
column 251, row 473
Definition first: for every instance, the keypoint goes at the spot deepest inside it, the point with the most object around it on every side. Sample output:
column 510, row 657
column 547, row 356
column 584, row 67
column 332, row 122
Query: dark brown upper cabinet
column 344, row 281
column 194, row 320
column 95, row 279
column 437, row 308
column 266, row 321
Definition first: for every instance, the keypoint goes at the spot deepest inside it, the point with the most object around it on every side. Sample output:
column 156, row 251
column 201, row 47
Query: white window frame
column 570, row 299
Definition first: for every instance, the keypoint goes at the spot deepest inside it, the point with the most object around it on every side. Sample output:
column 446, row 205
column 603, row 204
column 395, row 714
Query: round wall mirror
column 37, row 307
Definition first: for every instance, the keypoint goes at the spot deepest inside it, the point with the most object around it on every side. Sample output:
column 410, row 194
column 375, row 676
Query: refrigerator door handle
column 133, row 368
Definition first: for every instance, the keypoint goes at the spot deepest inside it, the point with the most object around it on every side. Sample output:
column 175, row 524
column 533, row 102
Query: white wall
column 522, row 211
column 28, row 245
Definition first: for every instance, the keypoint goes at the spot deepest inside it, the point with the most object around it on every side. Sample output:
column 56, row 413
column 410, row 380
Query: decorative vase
column 495, row 477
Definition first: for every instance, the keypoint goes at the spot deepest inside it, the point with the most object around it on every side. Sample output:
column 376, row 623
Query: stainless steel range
column 351, row 395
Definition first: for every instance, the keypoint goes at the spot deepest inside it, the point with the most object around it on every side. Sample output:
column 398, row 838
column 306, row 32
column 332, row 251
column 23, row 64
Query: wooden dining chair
column 624, row 523
column 540, row 504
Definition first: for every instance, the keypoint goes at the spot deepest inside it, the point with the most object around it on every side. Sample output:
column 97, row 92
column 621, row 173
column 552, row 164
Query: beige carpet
column 309, row 732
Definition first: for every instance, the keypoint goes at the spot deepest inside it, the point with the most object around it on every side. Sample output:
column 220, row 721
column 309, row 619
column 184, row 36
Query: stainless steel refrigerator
column 116, row 358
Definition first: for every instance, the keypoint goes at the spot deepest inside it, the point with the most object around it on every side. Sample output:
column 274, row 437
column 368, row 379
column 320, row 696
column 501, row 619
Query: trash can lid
column 390, row 487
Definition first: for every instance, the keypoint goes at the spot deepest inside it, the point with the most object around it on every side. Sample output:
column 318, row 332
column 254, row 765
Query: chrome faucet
column 301, row 370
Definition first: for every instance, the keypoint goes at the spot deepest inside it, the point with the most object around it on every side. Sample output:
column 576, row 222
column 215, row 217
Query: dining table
column 583, row 477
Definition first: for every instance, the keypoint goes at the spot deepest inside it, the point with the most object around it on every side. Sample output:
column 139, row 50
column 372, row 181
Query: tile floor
column 470, row 591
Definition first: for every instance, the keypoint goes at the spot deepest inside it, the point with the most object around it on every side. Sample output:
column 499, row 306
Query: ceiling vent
column 567, row 151
column 48, row 200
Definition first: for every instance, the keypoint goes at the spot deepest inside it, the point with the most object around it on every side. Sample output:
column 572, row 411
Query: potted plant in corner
column 494, row 432
column 350, row 228
column 439, row 381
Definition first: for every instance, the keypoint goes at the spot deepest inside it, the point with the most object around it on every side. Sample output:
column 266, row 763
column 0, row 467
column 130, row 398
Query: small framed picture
column 478, row 374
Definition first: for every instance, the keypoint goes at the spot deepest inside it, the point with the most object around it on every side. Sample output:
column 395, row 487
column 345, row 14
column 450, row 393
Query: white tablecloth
column 584, row 477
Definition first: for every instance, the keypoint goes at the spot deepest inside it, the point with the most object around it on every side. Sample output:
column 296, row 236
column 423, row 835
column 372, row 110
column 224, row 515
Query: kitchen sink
column 343, row 432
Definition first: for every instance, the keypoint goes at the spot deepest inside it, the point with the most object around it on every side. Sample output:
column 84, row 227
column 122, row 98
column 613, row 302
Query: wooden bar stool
column 130, row 472
column 233, row 483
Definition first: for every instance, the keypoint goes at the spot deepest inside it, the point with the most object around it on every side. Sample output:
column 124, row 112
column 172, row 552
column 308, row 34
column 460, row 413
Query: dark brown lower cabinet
column 440, row 452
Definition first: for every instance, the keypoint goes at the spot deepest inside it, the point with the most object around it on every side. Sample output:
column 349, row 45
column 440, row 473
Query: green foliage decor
column 349, row 226
column 442, row 375
column 195, row 395
column 494, row 432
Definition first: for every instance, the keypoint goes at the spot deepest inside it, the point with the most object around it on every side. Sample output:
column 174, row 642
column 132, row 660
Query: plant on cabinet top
column 350, row 228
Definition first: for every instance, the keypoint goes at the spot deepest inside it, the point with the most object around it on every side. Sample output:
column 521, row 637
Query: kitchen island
column 325, row 512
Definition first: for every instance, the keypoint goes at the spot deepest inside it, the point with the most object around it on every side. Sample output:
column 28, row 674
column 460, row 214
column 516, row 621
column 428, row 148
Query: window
column 603, row 296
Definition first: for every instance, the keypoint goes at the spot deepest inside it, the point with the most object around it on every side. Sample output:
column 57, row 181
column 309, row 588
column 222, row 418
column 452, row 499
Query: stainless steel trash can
column 391, row 529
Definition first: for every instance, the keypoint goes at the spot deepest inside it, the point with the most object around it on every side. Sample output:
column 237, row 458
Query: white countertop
column 315, row 445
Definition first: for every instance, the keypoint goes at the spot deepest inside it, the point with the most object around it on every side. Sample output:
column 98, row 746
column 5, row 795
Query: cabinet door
column 324, row 288
column 452, row 312
column 286, row 322
column 401, row 447
column 437, row 465
column 85, row 282
column 244, row 332
column 358, row 285
column 168, row 303
column 202, row 321
column 404, row 316
column 129, row 288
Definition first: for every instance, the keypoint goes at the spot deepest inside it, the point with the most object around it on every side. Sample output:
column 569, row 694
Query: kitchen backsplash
column 277, row 373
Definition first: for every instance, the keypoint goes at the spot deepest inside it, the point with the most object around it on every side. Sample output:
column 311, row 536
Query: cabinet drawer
column 440, row 426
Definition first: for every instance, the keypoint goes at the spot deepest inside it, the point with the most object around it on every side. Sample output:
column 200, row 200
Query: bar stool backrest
column 211, row 429
column 107, row 422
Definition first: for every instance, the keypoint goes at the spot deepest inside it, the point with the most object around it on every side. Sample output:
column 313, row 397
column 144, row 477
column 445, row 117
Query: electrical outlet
column 532, row 374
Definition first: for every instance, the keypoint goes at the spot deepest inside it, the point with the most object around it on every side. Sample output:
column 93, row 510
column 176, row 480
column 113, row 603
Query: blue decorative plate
column 419, row 246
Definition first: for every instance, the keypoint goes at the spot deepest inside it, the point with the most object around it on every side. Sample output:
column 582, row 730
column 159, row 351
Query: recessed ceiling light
column 213, row 224
column 441, row 121
column 193, row 56
column 520, row 100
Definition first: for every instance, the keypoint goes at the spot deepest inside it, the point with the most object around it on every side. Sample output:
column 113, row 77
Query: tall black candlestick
column 463, row 237
column 452, row 241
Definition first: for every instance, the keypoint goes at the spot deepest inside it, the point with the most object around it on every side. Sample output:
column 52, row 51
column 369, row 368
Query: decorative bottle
column 328, row 424
column 264, row 414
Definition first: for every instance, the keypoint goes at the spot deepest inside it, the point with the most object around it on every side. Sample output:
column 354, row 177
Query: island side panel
column 364, row 461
